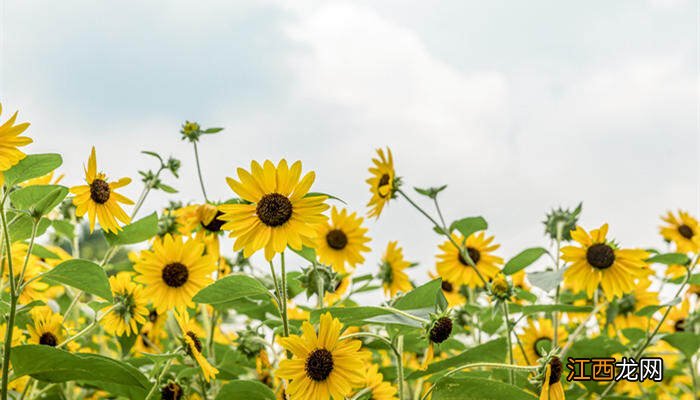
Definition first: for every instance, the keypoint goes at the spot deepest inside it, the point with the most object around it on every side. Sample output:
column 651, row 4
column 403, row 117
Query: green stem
column 156, row 385
column 555, row 314
column 693, row 375
column 87, row 328
column 649, row 337
column 199, row 172
column 407, row 315
column 508, row 341
column 13, row 302
column 399, row 366
column 35, row 226
column 482, row 365
column 580, row 329
column 285, row 320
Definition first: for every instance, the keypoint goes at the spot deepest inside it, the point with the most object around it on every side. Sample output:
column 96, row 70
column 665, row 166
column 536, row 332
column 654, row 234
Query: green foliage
column 469, row 225
column 32, row 166
column 230, row 288
column 523, row 259
column 136, row 232
column 248, row 390
column 469, row 388
column 669, row 259
column 687, row 342
column 493, row 351
column 81, row 274
column 38, row 199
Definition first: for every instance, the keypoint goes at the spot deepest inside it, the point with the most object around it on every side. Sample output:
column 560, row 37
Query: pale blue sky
column 518, row 106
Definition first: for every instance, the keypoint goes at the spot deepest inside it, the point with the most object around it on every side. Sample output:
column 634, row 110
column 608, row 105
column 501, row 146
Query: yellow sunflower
column 47, row 179
column 451, row 292
column 17, row 335
column 632, row 302
column 36, row 289
column 174, row 271
column 676, row 319
column 453, row 267
column 391, row 271
column 380, row 389
column 10, row 140
column 193, row 345
column 99, row 199
column 683, row 230
column 48, row 327
column 341, row 242
column 381, row 182
column 130, row 307
column 203, row 220
column 279, row 211
column 537, row 340
column 323, row 366
column 598, row 261
column 552, row 388
column 152, row 332
column 331, row 298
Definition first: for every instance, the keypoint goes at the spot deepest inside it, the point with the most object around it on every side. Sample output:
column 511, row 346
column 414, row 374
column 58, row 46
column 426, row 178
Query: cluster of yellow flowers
column 99, row 303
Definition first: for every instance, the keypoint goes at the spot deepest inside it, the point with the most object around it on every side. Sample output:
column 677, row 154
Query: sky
column 517, row 106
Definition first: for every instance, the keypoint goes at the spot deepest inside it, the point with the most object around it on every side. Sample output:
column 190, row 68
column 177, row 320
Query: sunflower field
column 100, row 301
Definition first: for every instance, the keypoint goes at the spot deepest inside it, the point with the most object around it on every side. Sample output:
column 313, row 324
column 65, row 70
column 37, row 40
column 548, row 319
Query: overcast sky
column 517, row 106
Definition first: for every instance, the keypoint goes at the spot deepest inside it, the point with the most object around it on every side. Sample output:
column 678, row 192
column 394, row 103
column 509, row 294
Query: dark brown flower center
column 542, row 346
column 319, row 365
column 441, row 330
column 337, row 239
column 274, row 209
column 474, row 254
column 196, row 342
column 215, row 224
column 175, row 274
column 145, row 340
column 556, row 368
column 153, row 316
column 686, row 231
column 679, row 326
column 600, row 255
column 447, row 286
column 99, row 191
column 171, row 391
column 48, row 339
column 384, row 180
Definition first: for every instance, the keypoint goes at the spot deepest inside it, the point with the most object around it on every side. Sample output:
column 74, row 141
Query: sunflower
column 99, row 199
column 551, row 387
column 323, row 366
column 537, row 340
column 452, row 292
column 677, row 317
column 453, row 267
column 47, row 179
column 380, row 389
column 331, row 298
column 203, row 220
column 48, row 327
column 151, row 334
column 279, row 209
column 10, row 140
column 174, row 271
column 382, row 183
column 17, row 335
column 598, row 261
column 391, row 271
column 341, row 241
column 630, row 303
column 36, row 289
column 193, row 345
column 683, row 230
column 130, row 307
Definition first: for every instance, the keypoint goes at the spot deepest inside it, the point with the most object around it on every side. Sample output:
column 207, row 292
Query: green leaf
column 42, row 252
column 523, row 259
column 469, row 225
column 546, row 280
column 687, row 342
column 330, row 196
column 21, row 226
column 32, row 166
column 431, row 192
column 648, row 311
column 493, row 351
column 669, row 259
column 469, row 388
column 136, row 232
column 538, row 308
column 81, row 274
column 525, row 295
column 245, row 390
column 426, row 296
column 358, row 316
column 230, row 288
column 38, row 199
column 153, row 154
column 307, row 253
column 212, row 130
column 50, row 364
column 166, row 188
column 64, row 228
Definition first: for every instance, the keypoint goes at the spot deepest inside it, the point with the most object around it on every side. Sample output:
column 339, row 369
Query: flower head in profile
column 380, row 389
column 341, row 241
column 382, row 182
column 683, row 230
column 193, row 345
column 130, row 306
column 99, row 199
column 173, row 271
column 600, row 262
column 455, row 268
column 324, row 366
column 552, row 388
column 10, row 141
column 278, row 210
column 391, row 270
column 452, row 292
column 48, row 327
